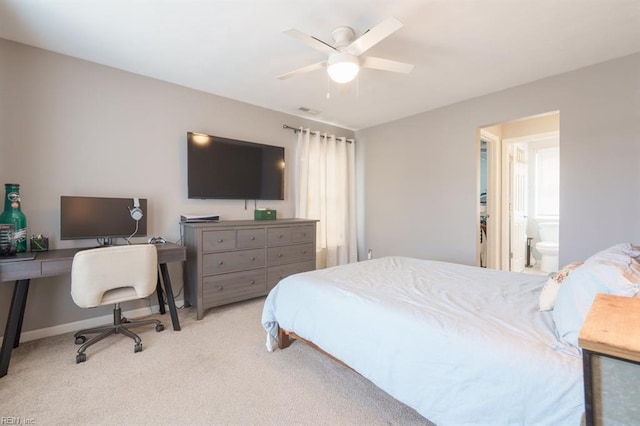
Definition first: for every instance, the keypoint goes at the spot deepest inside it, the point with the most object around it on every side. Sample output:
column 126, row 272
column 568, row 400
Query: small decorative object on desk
column 7, row 243
column 13, row 215
column 39, row 243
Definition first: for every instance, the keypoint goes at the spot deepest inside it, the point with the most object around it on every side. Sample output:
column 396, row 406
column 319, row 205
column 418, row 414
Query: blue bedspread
column 461, row 345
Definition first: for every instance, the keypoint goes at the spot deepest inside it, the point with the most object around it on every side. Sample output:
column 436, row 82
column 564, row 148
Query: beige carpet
column 214, row 371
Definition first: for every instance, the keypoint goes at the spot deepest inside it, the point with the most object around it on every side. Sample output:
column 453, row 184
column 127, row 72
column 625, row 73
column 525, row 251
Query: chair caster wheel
column 81, row 358
column 80, row 340
column 159, row 328
column 137, row 348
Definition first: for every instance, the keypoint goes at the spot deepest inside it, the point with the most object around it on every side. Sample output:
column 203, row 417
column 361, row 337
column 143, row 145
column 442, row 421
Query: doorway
column 518, row 190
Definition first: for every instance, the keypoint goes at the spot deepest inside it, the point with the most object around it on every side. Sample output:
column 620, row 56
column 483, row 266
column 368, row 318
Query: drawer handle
column 253, row 238
column 280, row 236
column 220, row 288
column 253, row 258
column 279, row 254
column 304, row 252
column 220, row 262
column 252, row 282
column 220, row 240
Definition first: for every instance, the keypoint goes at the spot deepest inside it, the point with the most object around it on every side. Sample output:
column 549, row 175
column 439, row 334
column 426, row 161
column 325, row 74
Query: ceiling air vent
column 309, row 111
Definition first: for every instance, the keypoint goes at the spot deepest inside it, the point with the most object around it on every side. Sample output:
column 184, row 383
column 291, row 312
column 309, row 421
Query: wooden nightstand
column 612, row 330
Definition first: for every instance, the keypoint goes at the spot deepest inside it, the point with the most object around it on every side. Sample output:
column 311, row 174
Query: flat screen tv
column 233, row 169
column 101, row 218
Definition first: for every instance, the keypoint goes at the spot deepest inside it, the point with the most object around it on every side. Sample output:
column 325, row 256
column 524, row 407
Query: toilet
column 549, row 246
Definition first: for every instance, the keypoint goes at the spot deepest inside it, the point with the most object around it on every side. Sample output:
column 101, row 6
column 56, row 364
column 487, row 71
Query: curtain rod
column 296, row 130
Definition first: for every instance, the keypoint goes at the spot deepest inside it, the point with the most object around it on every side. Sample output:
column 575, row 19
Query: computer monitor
column 102, row 218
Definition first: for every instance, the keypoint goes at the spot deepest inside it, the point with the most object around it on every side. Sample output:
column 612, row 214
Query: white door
column 518, row 208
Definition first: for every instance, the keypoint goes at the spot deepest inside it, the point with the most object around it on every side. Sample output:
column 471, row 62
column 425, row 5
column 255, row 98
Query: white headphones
column 136, row 211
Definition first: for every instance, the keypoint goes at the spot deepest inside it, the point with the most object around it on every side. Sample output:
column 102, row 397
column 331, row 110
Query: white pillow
column 605, row 272
column 574, row 300
column 550, row 290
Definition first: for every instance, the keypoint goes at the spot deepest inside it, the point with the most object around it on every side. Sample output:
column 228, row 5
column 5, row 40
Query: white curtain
column 325, row 190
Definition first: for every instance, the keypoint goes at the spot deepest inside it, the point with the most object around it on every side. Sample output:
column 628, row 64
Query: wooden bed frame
column 286, row 338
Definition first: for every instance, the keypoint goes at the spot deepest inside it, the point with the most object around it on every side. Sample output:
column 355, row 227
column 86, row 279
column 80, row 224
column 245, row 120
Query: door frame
column 494, row 197
column 509, row 187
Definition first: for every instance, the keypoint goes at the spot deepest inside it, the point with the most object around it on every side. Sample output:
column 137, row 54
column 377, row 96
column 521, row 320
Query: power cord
column 134, row 233
column 164, row 296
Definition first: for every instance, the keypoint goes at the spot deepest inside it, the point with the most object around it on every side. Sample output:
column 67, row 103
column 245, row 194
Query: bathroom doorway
column 519, row 167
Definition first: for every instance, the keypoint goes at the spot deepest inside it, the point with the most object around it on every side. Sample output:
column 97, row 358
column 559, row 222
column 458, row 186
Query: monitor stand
column 102, row 243
column 105, row 241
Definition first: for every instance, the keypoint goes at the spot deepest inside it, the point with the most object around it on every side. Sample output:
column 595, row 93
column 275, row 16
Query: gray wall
column 420, row 173
column 72, row 127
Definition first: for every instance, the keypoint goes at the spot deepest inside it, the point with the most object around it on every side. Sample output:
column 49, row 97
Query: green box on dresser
column 231, row 261
column 264, row 214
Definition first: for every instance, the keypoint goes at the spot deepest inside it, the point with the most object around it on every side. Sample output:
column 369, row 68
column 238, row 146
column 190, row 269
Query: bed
column 459, row 344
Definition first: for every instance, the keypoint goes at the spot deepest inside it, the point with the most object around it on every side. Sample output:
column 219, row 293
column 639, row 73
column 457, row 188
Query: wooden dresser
column 230, row 261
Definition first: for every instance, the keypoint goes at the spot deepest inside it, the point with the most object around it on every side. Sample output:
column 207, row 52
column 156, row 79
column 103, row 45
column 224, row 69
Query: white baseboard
column 79, row 325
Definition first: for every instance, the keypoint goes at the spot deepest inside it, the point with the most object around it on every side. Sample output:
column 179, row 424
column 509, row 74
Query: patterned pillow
column 550, row 290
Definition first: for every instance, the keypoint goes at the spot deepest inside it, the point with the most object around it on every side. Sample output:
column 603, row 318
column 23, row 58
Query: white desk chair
column 112, row 275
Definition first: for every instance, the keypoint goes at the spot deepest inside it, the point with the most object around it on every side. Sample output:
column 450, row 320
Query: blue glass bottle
column 12, row 214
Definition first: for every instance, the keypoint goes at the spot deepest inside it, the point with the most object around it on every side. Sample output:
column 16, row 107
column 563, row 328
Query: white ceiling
column 235, row 48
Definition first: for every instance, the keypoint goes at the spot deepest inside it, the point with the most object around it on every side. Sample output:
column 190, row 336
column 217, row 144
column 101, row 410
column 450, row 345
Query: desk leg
column 23, row 307
column 170, row 300
column 160, row 296
column 588, row 387
column 14, row 324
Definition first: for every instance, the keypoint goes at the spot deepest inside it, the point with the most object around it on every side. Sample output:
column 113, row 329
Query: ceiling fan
column 345, row 60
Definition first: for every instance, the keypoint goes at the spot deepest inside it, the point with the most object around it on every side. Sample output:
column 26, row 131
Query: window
column 547, row 191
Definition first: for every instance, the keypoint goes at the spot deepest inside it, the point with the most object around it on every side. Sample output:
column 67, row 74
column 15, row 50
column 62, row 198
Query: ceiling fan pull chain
column 328, row 87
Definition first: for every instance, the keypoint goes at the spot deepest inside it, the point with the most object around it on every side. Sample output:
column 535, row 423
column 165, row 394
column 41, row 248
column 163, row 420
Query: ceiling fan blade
column 373, row 36
column 310, row 41
column 299, row 71
column 386, row 64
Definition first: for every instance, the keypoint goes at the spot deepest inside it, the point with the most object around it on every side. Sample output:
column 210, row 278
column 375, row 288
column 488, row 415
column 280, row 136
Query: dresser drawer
column 289, row 254
column 219, row 263
column 276, row 273
column 251, row 238
column 227, row 288
column 303, row 234
column 218, row 240
column 279, row 236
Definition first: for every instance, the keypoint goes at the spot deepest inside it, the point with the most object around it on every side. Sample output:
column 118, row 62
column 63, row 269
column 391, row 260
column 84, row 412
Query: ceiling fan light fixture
column 343, row 67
